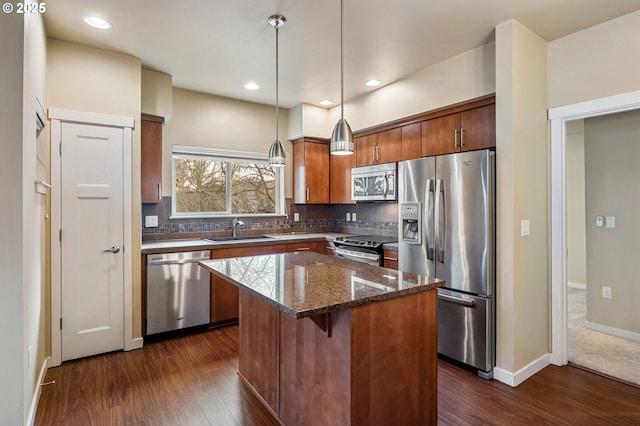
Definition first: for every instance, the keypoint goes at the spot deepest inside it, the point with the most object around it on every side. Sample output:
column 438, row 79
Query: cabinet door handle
column 159, row 190
column 307, row 194
column 377, row 153
column 304, row 248
column 455, row 138
column 461, row 137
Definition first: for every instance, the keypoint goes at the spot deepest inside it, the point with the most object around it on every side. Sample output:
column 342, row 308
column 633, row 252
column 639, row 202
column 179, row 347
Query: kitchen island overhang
column 329, row 341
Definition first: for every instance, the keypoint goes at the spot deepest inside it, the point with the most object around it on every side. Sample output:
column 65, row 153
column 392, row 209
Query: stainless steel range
column 362, row 248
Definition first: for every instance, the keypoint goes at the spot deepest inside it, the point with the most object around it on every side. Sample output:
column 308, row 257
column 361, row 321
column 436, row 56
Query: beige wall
column 35, row 166
column 522, row 193
column 596, row 62
column 463, row 77
column 612, row 150
column 87, row 79
column 157, row 94
column 12, row 348
column 309, row 120
column 22, row 254
column 576, row 237
column 211, row 121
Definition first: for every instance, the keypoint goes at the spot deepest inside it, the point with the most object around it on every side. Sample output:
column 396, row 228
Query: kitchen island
column 325, row 341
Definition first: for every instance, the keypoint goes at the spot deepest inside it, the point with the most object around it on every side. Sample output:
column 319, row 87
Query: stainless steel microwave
column 374, row 183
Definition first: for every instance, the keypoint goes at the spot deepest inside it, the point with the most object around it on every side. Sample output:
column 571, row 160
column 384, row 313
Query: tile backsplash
column 371, row 218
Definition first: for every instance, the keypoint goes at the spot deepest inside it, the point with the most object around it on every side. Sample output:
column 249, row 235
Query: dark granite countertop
column 305, row 284
column 156, row 247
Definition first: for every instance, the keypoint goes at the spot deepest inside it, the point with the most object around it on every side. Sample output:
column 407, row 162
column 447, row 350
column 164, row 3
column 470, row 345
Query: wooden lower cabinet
column 328, row 248
column 390, row 258
column 225, row 303
column 310, row 246
column 259, row 330
column 375, row 364
column 225, row 296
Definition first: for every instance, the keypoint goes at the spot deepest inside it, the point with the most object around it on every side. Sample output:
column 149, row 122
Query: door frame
column 59, row 116
column 559, row 117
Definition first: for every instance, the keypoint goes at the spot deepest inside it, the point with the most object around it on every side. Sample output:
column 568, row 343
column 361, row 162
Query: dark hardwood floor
column 191, row 380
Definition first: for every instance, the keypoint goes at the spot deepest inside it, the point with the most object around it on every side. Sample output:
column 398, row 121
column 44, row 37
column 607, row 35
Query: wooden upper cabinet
column 151, row 158
column 366, row 150
column 377, row 148
column 439, row 135
column 310, row 171
column 389, row 146
column 479, row 128
column 340, row 178
column 461, row 131
column 411, row 143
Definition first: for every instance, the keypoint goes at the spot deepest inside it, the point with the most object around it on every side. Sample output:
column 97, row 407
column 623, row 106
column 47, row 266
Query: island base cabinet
column 259, row 343
column 371, row 364
column 315, row 371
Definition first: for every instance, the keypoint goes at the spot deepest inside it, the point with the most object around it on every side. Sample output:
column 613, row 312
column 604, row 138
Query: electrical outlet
column 610, row 221
column 353, row 216
column 524, row 227
column 348, row 217
column 296, row 217
column 606, row 292
column 151, row 221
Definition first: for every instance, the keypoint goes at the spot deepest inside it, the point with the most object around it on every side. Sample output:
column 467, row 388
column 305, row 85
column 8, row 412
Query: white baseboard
column 613, row 331
column 581, row 286
column 133, row 344
column 514, row 379
column 36, row 394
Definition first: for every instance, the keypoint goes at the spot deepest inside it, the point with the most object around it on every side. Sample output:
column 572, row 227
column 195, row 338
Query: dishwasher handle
column 175, row 261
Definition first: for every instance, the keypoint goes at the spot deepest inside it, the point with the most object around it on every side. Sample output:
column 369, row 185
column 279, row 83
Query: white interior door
column 92, row 238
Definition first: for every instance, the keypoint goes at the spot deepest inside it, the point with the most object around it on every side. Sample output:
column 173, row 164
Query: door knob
column 114, row 249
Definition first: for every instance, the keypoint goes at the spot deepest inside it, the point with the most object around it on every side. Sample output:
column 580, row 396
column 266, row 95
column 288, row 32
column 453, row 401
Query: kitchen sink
column 241, row 238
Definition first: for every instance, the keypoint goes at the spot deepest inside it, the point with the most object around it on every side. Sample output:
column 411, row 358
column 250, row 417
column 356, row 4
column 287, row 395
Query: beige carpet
column 603, row 353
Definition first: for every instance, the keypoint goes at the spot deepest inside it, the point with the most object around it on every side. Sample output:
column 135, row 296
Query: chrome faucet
column 234, row 226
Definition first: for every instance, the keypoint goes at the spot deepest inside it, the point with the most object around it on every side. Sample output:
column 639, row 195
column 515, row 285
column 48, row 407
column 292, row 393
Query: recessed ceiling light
column 326, row 102
column 95, row 22
column 251, row 86
column 372, row 83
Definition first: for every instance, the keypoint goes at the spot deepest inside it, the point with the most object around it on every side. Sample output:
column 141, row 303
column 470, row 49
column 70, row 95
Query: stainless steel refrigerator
column 447, row 231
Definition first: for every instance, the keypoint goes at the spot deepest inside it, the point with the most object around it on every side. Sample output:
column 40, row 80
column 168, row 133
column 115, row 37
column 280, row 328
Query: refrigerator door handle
column 457, row 300
column 428, row 219
column 440, row 220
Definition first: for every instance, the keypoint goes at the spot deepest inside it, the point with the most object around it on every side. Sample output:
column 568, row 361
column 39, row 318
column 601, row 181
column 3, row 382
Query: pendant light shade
column 277, row 156
column 342, row 137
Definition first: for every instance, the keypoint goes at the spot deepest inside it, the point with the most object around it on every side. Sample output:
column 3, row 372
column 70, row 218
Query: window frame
column 228, row 156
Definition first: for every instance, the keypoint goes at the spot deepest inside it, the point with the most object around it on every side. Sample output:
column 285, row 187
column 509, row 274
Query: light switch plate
column 348, row 217
column 524, row 227
column 353, row 216
column 611, row 221
column 151, row 221
column 296, row 217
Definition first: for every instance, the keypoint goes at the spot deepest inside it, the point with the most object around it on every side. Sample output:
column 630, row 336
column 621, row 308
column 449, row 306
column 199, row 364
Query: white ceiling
column 216, row 46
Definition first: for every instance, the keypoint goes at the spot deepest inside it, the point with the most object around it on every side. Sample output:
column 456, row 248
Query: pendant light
column 277, row 156
column 342, row 137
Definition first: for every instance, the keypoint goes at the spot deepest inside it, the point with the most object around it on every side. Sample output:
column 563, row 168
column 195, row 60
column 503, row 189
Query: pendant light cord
column 342, row 59
column 277, row 56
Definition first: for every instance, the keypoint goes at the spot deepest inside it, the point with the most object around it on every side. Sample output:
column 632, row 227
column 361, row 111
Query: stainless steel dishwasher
column 178, row 291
